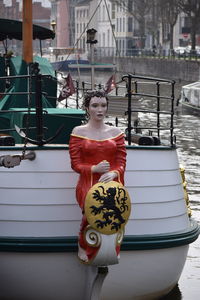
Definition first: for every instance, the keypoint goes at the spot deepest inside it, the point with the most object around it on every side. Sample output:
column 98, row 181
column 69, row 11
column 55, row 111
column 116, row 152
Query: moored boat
column 190, row 97
column 71, row 63
column 40, row 221
column 39, row 215
column 68, row 61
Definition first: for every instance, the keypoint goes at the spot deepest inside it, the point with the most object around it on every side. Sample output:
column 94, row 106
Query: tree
column 169, row 11
column 192, row 9
column 153, row 23
column 139, row 9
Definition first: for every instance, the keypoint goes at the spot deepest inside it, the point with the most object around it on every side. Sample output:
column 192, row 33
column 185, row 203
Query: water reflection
column 188, row 142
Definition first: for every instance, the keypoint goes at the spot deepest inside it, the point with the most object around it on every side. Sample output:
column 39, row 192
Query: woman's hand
column 102, row 167
column 106, row 177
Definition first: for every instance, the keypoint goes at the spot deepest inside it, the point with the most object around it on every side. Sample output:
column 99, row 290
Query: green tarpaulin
column 49, row 85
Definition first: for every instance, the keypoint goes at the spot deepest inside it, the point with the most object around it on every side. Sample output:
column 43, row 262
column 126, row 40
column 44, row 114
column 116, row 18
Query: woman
column 98, row 154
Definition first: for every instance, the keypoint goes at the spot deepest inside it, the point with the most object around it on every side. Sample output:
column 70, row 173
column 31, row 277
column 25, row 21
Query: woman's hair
column 89, row 95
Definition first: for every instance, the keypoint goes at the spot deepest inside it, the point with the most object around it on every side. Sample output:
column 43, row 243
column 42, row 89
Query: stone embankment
column 179, row 70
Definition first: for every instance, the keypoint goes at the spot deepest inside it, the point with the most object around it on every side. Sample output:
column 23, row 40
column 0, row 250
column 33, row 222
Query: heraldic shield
column 107, row 207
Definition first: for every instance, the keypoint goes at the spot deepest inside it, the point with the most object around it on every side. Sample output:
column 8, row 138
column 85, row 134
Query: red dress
column 85, row 153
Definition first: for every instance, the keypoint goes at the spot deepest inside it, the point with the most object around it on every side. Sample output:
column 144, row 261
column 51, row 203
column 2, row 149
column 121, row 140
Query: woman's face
column 97, row 108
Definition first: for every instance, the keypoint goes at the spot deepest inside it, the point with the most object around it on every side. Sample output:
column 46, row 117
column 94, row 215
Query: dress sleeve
column 120, row 161
column 75, row 155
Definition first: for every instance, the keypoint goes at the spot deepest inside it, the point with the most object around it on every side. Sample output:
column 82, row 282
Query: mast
column 27, row 31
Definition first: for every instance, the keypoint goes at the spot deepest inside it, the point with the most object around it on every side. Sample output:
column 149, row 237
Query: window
column 104, row 40
column 108, row 38
column 113, row 11
column 108, row 10
column 130, row 24
column 130, row 3
column 84, row 43
column 100, row 13
column 103, row 16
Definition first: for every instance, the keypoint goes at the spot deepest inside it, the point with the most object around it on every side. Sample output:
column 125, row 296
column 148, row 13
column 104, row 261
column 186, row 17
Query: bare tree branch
column 192, row 9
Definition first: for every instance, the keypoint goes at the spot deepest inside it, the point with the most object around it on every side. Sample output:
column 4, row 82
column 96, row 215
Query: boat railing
column 155, row 109
column 10, row 82
column 83, row 86
column 33, row 99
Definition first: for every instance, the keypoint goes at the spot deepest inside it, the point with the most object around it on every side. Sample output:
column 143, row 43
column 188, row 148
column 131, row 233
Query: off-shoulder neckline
column 87, row 138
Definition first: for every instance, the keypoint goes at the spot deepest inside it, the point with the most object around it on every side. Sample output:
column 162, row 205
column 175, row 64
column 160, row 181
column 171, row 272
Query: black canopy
column 12, row 29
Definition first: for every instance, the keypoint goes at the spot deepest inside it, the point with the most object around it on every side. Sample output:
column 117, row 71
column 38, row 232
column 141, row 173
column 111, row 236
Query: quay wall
column 175, row 69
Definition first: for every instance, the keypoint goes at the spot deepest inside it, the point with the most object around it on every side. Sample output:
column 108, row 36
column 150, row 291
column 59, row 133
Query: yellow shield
column 107, row 207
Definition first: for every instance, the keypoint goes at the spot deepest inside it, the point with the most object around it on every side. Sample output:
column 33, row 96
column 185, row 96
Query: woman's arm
column 118, row 169
column 120, row 160
column 75, row 155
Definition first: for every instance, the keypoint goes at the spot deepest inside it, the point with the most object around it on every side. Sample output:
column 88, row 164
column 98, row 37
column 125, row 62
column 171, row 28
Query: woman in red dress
column 98, row 154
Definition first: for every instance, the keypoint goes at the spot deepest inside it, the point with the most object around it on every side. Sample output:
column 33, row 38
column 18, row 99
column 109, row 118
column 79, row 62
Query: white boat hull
column 38, row 204
column 190, row 94
column 139, row 275
column 190, row 97
column 38, row 197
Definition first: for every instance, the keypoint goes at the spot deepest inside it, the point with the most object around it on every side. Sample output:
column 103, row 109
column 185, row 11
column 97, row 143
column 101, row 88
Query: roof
column 12, row 29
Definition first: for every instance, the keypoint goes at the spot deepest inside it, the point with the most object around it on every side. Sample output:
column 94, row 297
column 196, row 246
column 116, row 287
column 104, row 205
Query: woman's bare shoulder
column 79, row 130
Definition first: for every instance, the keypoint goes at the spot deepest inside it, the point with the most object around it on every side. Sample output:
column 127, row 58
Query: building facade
column 99, row 15
column 82, row 12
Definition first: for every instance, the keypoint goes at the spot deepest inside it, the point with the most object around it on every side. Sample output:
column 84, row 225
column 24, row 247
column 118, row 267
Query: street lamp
column 53, row 25
column 91, row 33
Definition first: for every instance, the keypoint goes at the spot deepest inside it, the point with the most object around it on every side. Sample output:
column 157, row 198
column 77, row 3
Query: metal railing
column 33, row 88
column 158, row 53
column 160, row 93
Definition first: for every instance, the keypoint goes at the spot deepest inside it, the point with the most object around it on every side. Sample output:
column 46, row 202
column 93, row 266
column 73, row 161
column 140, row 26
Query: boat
column 190, row 97
column 39, row 215
column 74, row 61
column 66, row 59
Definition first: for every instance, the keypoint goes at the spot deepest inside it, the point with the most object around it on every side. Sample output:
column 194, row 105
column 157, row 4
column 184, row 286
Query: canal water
column 188, row 142
column 187, row 131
